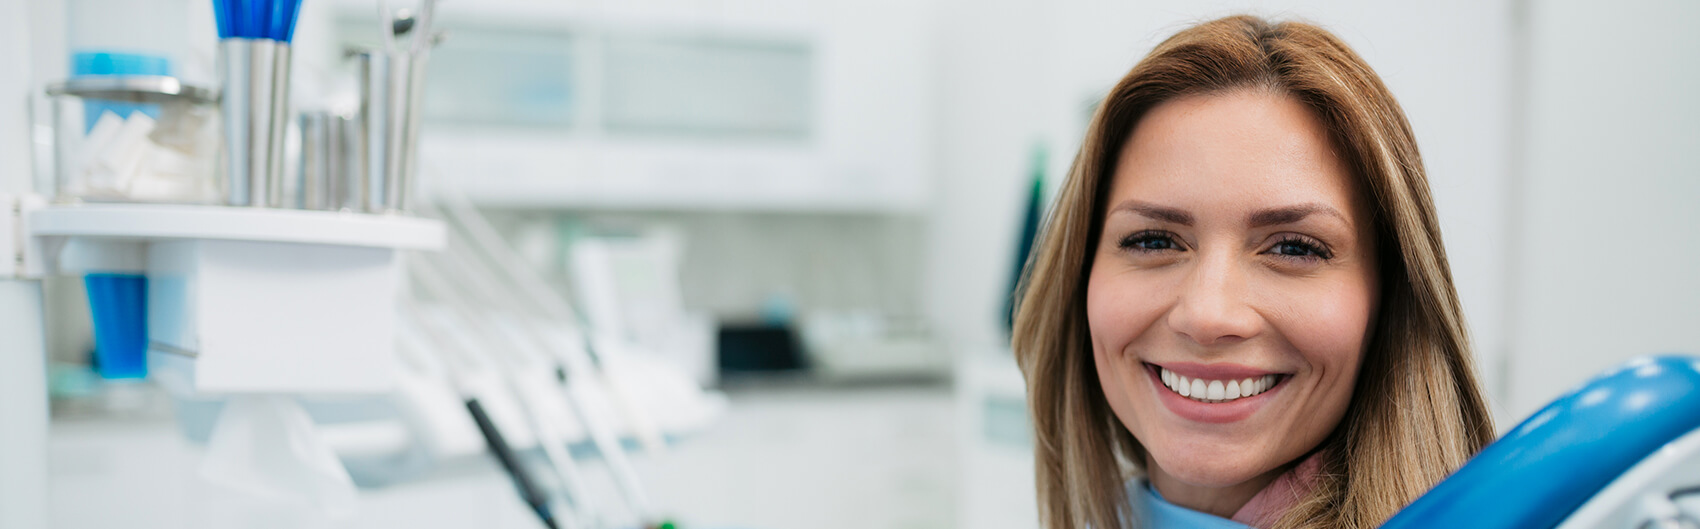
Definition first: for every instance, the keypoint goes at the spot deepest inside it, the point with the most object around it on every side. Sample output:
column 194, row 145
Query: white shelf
column 265, row 300
column 161, row 221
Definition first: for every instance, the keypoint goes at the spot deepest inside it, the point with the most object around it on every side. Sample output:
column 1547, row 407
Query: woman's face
column 1232, row 291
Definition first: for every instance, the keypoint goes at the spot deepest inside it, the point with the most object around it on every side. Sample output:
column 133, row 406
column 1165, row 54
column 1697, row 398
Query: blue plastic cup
column 119, row 304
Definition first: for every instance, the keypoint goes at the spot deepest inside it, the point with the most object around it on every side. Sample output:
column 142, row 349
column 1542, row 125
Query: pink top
column 1274, row 500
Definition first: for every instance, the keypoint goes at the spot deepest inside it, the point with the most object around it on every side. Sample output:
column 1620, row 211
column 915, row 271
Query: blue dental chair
column 1621, row 451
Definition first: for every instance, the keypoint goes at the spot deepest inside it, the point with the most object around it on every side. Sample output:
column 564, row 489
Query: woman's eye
column 1302, row 248
column 1149, row 241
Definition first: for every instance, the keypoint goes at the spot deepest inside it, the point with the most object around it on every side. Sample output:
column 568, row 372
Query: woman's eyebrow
column 1156, row 212
column 1290, row 214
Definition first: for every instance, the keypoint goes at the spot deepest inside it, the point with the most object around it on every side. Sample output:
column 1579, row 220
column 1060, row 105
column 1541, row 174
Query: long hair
column 1416, row 413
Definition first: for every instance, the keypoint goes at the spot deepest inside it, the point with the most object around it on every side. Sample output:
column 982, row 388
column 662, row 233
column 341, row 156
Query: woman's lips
column 1214, row 393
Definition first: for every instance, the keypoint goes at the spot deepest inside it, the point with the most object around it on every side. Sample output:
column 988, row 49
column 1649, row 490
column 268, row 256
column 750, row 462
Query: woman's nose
column 1213, row 306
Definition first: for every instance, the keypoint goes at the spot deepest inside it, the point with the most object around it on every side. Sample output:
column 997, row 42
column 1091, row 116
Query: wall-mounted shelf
column 244, row 300
column 183, row 222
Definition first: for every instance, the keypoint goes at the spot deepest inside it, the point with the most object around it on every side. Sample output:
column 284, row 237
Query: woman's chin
column 1212, row 470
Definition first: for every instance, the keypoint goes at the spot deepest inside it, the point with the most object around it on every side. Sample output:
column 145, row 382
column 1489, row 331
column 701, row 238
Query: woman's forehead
column 1230, row 153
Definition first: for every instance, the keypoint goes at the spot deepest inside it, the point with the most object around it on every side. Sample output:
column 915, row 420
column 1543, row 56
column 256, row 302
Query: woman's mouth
column 1214, row 393
column 1216, row 388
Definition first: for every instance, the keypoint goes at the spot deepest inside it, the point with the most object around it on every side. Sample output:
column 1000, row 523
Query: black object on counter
column 759, row 347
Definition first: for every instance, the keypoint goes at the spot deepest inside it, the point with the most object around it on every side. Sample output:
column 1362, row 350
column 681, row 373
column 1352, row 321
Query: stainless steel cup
column 375, row 127
column 401, row 108
column 347, row 188
column 329, row 178
column 279, row 123
column 408, row 173
column 255, row 103
column 313, row 179
column 390, row 88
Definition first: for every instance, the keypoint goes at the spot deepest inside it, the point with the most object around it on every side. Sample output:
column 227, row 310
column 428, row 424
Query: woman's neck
column 1220, row 501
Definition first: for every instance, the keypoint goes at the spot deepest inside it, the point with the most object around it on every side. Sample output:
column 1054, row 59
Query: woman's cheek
column 1112, row 314
column 1327, row 324
column 1325, row 319
column 1119, row 308
column 1101, row 308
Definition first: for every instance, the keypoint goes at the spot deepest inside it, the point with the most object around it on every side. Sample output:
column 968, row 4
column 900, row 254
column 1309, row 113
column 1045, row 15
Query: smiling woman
column 1240, row 312
column 1241, row 252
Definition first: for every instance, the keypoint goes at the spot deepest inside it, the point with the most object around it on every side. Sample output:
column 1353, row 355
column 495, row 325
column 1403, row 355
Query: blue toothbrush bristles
column 221, row 15
column 257, row 19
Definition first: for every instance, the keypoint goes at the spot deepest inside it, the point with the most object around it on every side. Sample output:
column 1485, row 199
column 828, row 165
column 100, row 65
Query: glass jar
column 137, row 138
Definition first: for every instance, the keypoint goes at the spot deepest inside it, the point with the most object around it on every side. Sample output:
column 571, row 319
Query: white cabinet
column 998, row 490
column 789, row 105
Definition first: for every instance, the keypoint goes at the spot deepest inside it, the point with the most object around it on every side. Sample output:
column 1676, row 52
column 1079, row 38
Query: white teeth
column 1215, row 390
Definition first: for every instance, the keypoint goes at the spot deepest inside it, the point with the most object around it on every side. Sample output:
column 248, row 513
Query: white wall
column 23, row 374
column 990, row 107
column 14, row 96
column 23, row 387
column 1608, row 253
column 1015, row 73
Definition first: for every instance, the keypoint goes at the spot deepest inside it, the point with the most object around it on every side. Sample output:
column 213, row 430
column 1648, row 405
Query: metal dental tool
column 500, row 353
column 529, row 287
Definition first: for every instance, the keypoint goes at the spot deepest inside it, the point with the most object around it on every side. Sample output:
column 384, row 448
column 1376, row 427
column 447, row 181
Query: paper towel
column 265, row 445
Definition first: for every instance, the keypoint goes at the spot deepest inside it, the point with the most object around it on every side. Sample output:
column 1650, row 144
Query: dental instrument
column 530, row 287
column 566, row 366
column 524, row 331
column 527, row 486
column 437, row 285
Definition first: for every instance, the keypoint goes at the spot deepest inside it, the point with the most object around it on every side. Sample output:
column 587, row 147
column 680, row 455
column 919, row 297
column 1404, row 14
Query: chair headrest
column 1552, row 463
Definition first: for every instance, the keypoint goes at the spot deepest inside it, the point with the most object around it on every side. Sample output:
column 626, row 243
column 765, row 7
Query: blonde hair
column 1416, row 413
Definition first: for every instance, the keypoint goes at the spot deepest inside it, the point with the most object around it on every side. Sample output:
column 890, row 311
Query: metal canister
column 255, row 102
column 349, row 188
column 313, row 178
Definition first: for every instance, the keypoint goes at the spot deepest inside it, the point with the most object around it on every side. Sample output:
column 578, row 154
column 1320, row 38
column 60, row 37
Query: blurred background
column 815, row 209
